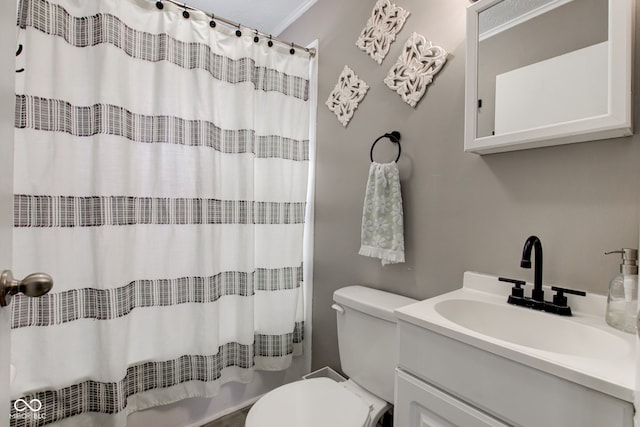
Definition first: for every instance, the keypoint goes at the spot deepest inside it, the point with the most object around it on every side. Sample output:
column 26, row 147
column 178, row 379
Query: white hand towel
column 382, row 222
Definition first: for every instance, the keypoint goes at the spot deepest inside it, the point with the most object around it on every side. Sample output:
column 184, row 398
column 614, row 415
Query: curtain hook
column 238, row 32
column 159, row 5
column 292, row 50
column 212, row 23
column 185, row 14
column 270, row 42
column 256, row 38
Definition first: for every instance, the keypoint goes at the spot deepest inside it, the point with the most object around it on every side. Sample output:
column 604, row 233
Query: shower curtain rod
column 311, row 52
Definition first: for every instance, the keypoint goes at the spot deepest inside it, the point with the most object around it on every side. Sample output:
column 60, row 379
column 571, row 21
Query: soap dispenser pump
column 622, row 303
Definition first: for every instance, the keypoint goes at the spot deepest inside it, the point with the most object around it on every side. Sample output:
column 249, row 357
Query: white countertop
column 614, row 376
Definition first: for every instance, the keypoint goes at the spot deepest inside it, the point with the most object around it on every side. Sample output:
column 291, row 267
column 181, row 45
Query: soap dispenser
column 622, row 303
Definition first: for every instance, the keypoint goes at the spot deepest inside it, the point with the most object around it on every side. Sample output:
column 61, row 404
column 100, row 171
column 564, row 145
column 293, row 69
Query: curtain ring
column 238, row 32
column 292, row 50
column 185, row 14
column 159, row 5
column 270, row 42
column 256, row 39
column 212, row 23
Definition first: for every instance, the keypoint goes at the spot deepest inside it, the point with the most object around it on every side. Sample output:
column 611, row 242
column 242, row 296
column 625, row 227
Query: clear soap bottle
column 622, row 303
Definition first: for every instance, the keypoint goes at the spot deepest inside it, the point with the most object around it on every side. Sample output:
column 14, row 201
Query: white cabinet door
column 420, row 405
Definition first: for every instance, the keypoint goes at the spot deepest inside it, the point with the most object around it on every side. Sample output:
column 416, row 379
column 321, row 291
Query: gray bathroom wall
column 462, row 211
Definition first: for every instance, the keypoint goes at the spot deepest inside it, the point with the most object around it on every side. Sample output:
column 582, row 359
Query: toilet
column 368, row 355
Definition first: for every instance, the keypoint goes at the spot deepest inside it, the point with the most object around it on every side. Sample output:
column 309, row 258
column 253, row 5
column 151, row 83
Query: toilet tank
column 367, row 337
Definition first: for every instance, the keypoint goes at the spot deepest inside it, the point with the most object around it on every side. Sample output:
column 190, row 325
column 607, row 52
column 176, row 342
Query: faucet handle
column 559, row 298
column 516, row 290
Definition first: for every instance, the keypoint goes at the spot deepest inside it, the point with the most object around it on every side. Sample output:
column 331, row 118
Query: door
column 7, row 102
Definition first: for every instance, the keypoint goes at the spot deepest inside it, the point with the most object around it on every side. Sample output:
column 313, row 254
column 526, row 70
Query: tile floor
column 235, row 419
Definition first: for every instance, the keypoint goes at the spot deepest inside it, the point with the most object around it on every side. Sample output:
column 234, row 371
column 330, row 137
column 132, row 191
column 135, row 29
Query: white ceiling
column 267, row 16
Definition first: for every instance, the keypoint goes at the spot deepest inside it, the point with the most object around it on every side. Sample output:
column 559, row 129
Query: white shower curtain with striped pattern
column 161, row 170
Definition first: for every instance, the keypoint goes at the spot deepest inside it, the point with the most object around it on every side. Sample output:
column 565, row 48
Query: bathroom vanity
column 468, row 358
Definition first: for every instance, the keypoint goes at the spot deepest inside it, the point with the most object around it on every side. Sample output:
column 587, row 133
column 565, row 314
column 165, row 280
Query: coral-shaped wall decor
column 385, row 22
column 345, row 97
column 419, row 62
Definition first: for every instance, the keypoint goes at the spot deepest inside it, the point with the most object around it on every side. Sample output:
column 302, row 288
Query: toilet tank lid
column 371, row 301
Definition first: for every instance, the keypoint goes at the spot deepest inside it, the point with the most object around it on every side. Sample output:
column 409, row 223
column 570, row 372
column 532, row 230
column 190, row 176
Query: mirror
column 547, row 72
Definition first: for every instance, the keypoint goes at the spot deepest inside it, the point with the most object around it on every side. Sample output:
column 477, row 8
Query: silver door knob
column 34, row 285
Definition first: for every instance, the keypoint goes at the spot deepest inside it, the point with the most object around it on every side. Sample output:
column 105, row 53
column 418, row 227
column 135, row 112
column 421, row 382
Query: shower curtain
column 161, row 170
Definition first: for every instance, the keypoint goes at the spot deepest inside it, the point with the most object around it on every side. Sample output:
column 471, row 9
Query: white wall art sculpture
column 385, row 22
column 344, row 98
column 419, row 62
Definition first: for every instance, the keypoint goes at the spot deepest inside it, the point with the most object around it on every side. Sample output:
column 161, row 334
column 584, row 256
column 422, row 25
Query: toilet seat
column 316, row 402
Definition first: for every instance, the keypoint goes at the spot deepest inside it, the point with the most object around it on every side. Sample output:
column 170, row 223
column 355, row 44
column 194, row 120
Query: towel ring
column 393, row 137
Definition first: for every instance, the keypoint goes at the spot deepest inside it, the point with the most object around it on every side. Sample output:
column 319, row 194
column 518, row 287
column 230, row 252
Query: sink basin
column 533, row 329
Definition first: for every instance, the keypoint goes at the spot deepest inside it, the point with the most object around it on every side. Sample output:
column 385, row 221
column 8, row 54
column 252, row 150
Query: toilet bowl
column 367, row 344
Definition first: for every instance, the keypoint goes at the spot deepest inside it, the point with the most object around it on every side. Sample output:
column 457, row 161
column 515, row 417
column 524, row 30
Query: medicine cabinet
column 547, row 72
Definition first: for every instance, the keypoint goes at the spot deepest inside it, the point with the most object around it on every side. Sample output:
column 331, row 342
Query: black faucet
column 534, row 242
column 537, row 302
